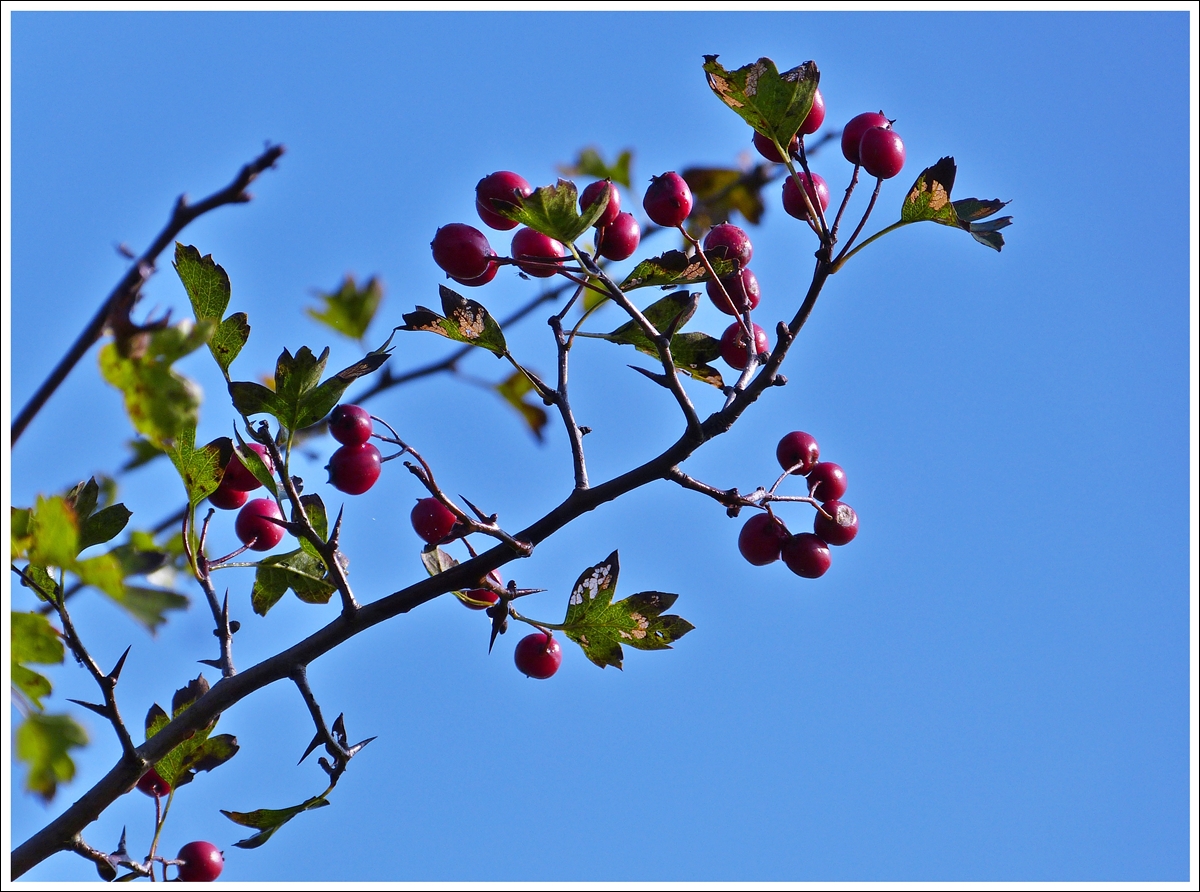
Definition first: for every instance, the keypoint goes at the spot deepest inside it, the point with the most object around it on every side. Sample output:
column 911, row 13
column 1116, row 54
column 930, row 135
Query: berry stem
column 837, row 221
column 847, row 254
column 574, row 435
column 695, row 243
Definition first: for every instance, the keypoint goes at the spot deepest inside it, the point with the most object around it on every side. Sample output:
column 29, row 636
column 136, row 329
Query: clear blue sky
column 991, row 683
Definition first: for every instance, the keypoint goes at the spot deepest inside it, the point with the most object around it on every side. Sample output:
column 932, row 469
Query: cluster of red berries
column 867, row 140
column 764, row 537
column 254, row 526
column 355, row 466
column 538, row 655
column 464, row 253
column 200, row 862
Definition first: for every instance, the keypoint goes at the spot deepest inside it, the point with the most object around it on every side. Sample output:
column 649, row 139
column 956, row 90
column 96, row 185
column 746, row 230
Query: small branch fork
column 220, row 610
column 107, row 682
column 335, row 742
column 120, row 301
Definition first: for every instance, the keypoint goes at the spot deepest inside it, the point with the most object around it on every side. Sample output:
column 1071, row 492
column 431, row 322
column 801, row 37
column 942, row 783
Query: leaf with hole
column 465, row 321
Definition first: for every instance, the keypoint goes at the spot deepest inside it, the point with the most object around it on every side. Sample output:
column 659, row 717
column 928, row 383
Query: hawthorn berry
column 815, row 186
column 254, row 527
column 761, row 538
column 531, row 250
column 227, row 498
column 816, row 114
column 462, row 251
column 881, row 151
column 852, row 133
column 202, row 862
column 238, row 476
column 503, row 185
column 593, row 192
column 742, row 288
column 485, row 596
column 349, row 424
column 620, row 238
column 807, row 555
column 730, row 242
column 734, row 347
column 766, row 148
column 799, row 450
column 826, row 481
column 538, row 655
column 432, row 520
column 354, row 468
column 668, row 201
column 152, row 784
column 488, row 274
column 840, row 526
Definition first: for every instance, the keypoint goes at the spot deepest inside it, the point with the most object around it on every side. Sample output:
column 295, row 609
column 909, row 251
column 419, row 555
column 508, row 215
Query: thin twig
column 122, row 298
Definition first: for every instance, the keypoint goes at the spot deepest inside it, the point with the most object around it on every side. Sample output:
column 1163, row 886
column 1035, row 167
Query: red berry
column 202, row 862
column 840, row 527
column 237, row 476
column 881, row 151
column 350, row 425
column 354, row 469
column 152, row 784
column 538, row 655
column 816, row 114
column 827, row 481
column 730, row 242
column 766, row 148
column 432, row 520
column 530, row 246
column 620, row 238
column 227, row 498
column 485, row 596
column 505, row 186
column 668, row 201
column 593, row 192
column 742, row 289
column 462, row 251
column 798, row 449
column 806, row 555
column 734, row 348
column 253, row 527
column 488, row 274
column 761, row 538
column 852, row 133
column 815, row 186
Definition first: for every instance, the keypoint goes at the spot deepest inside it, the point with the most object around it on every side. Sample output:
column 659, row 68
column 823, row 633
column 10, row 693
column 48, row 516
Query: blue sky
column 991, row 683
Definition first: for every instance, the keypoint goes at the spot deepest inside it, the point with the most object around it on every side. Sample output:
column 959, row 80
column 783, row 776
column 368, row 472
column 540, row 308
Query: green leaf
column 437, row 561
column 929, row 197
column 251, row 398
column 55, row 533
column 103, row 526
column 44, row 743
column 200, row 469
column 675, row 268
column 149, row 605
column 33, row 640
column 718, row 192
column 690, row 350
column 104, row 572
column 319, row 402
column 200, row 752
column 228, row 339
column 296, row 375
column 207, row 284
column 42, row 582
column 465, row 321
column 158, row 400
column 661, row 314
column 553, row 211
column 253, row 462
column 969, row 209
column 314, row 508
column 268, row 820
column 591, row 164
column 514, row 390
column 600, row 627
column 350, row 309
column 83, row 498
column 298, row 570
column 774, row 104
column 20, row 534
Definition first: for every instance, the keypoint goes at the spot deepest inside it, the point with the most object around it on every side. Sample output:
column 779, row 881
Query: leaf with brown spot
column 674, row 268
column 774, row 104
column 465, row 321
